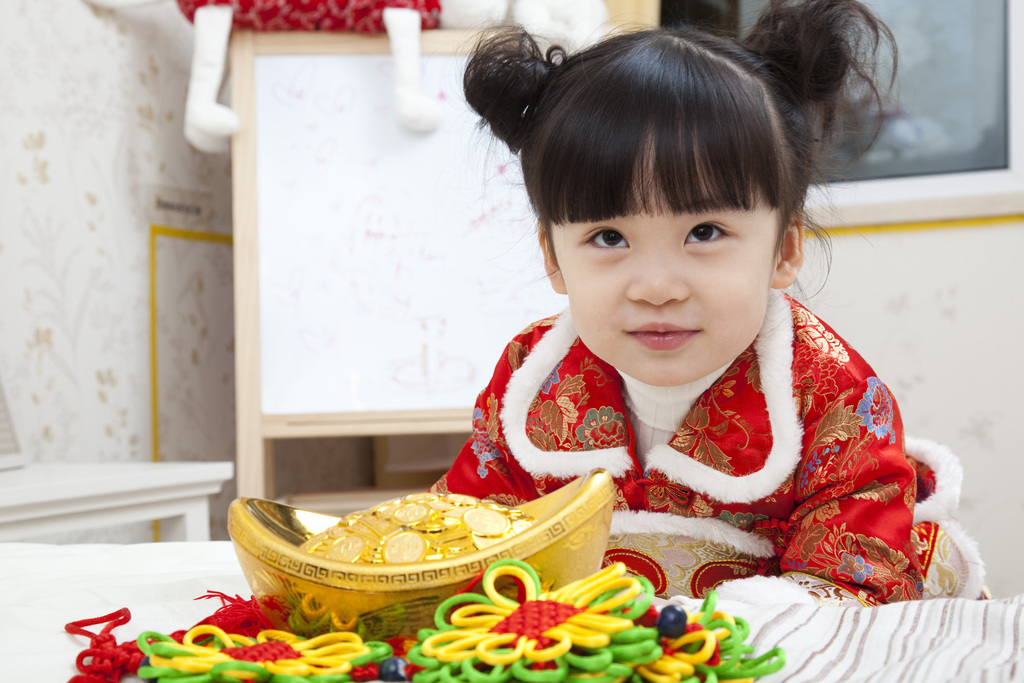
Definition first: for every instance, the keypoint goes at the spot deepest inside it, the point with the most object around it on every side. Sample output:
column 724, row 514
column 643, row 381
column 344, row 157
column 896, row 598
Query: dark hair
column 678, row 120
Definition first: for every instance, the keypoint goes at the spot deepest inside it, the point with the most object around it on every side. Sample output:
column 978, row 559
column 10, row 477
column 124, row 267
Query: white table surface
column 44, row 587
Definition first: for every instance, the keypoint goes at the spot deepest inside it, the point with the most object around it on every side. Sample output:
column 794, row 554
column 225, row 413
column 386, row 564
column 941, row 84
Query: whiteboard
column 394, row 266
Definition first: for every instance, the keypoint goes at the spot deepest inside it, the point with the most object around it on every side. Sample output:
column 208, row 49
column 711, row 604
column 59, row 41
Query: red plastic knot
column 534, row 617
column 270, row 651
column 649, row 618
column 716, row 657
column 400, row 645
column 360, row 674
column 104, row 660
column 543, row 666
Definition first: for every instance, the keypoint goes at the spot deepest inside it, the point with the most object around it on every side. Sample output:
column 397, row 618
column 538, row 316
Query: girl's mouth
column 663, row 339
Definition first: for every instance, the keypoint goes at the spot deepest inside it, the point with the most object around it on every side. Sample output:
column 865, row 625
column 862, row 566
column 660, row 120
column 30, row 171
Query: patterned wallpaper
column 90, row 135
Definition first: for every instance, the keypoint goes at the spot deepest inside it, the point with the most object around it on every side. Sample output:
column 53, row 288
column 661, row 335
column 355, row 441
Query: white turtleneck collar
column 658, row 412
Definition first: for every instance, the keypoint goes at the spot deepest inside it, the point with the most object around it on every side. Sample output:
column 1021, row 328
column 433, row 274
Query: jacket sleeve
column 485, row 467
column 855, row 491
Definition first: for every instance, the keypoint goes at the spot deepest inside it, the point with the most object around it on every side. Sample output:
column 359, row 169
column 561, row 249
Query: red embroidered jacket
column 793, row 462
column 362, row 16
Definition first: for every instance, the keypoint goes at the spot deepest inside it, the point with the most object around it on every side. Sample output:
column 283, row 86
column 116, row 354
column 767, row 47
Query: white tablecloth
column 44, row 587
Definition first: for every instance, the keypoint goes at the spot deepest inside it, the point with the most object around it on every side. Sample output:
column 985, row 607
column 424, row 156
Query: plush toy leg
column 208, row 124
column 416, row 112
column 572, row 24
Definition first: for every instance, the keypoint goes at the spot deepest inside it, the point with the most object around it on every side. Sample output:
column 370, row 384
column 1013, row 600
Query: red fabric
column 845, row 513
column 362, row 16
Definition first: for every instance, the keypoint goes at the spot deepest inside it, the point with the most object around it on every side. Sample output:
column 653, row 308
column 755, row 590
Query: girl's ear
column 551, row 263
column 791, row 257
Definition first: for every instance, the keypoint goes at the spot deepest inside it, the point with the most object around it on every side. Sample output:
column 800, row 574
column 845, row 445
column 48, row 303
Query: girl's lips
column 663, row 340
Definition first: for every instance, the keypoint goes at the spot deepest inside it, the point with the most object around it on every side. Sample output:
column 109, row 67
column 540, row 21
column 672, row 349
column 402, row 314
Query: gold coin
column 336, row 531
column 486, row 522
column 521, row 525
column 455, row 513
column 346, row 549
column 403, row 547
column 421, row 497
column 374, row 527
column 460, row 499
column 485, row 541
column 453, row 536
column 385, row 509
column 410, row 513
column 441, row 505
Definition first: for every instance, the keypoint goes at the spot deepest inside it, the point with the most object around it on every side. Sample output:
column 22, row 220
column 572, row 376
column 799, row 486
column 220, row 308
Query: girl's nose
column 658, row 281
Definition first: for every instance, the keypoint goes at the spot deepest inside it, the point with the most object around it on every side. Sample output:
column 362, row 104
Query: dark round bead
column 145, row 662
column 671, row 621
column 392, row 669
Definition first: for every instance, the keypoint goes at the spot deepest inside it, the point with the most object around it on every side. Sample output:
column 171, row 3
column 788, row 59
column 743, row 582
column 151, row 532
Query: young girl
column 754, row 451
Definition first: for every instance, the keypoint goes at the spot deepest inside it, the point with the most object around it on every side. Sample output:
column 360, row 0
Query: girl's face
column 669, row 299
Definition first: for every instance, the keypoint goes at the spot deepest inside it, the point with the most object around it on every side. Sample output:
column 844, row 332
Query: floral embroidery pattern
column 876, row 410
column 602, row 428
column 483, row 447
column 811, row 465
column 552, row 379
column 856, row 567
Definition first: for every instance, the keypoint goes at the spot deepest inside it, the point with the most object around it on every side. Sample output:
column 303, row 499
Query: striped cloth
column 927, row 641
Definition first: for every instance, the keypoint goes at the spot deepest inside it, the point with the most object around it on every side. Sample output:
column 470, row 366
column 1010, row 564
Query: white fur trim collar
column 524, row 385
column 701, row 528
column 774, row 348
column 949, row 475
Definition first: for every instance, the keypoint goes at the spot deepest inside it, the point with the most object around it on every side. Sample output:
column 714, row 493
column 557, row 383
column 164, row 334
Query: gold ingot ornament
column 383, row 571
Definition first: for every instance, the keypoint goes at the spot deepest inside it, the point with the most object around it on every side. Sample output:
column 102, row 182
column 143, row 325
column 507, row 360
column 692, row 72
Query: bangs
column 665, row 127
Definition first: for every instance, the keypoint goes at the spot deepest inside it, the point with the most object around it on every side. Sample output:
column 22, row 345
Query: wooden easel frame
column 255, row 431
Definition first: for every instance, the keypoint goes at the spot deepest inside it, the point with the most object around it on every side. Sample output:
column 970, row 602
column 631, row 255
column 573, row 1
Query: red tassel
column 107, row 661
column 238, row 615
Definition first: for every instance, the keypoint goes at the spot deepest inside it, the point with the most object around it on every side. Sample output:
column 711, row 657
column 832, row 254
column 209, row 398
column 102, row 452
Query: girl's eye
column 609, row 238
column 704, row 232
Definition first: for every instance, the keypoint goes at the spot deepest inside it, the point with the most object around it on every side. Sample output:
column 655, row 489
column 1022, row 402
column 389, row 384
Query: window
column 945, row 149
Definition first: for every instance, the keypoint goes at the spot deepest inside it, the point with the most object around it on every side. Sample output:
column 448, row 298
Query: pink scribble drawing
column 294, row 93
column 326, row 150
column 318, row 342
column 432, row 370
column 338, row 103
column 289, row 290
column 490, row 215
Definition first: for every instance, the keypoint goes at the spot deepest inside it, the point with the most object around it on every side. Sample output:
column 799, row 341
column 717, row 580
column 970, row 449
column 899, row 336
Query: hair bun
column 505, row 78
column 822, row 50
